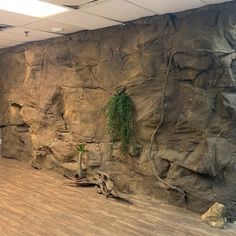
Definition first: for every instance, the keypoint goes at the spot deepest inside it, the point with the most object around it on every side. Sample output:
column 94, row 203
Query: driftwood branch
column 163, row 98
column 102, row 181
column 105, row 185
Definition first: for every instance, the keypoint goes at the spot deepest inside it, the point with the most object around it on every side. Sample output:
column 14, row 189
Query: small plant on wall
column 120, row 115
column 80, row 150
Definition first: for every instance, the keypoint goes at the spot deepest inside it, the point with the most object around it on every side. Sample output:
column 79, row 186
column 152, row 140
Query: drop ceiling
column 86, row 15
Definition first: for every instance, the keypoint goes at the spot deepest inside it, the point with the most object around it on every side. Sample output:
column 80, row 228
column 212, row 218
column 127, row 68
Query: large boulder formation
column 53, row 96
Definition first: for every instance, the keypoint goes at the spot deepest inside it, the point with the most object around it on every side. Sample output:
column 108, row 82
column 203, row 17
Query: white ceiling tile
column 5, row 41
column 8, row 43
column 117, row 10
column 18, row 34
column 68, row 2
column 139, row 2
column 87, row 17
column 6, row 37
column 51, row 26
column 168, row 6
column 15, row 19
column 83, row 20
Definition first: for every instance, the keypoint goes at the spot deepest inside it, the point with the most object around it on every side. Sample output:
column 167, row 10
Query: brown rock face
column 53, row 95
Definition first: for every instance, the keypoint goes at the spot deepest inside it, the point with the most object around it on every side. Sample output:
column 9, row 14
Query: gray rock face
column 209, row 157
column 53, row 95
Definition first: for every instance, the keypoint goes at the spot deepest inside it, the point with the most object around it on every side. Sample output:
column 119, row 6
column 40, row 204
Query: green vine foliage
column 120, row 116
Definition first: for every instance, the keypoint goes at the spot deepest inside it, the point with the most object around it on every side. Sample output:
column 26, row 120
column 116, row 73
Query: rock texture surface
column 53, row 95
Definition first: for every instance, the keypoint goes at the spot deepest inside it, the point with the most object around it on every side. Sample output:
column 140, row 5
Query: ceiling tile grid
column 15, row 19
column 117, row 10
column 84, row 20
column 168, row 6
column 27, row 35
column 68, row 2
column 46, row 25
column 90, row 15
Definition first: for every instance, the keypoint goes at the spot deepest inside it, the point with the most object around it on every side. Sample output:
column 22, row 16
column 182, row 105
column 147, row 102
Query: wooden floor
column 37, row 203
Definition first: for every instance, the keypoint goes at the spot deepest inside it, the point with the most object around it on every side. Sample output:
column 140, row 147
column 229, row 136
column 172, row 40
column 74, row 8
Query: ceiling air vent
column 5, row 27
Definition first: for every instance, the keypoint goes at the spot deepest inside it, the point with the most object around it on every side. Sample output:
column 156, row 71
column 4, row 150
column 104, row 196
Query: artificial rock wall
column 53, row 95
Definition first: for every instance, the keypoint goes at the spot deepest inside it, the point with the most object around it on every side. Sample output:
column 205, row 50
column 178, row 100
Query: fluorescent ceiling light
column 34, row 8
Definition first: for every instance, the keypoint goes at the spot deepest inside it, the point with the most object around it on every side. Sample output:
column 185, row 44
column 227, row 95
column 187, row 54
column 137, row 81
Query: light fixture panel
column 33, row 8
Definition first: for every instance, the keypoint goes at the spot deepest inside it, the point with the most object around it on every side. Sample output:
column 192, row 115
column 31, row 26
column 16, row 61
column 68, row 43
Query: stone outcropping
column 53, row 95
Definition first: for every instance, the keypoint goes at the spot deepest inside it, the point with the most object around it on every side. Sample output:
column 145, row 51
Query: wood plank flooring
column 36, row 203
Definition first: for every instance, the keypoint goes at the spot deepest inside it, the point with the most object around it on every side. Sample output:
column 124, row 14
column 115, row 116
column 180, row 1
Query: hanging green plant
column 120, row 116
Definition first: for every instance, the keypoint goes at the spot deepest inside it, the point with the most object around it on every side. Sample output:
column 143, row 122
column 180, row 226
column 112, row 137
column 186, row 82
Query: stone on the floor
column 215, row 216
